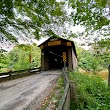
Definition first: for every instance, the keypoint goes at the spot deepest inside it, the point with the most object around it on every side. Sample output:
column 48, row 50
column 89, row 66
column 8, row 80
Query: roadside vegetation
column 20, row 57
column 92, row 92
column 93, row 60
column 91, row 78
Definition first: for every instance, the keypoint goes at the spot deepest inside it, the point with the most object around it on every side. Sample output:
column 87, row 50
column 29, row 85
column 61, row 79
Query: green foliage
column 2, row 58
column 104, row 43
column 29, row 15
column 102, row 50
column 95, row 59
column 92, row 92
column 3, row 62
column 38, row 15
column 18, row 58
column 6, row 8
column 88, row 61
column 89, row 13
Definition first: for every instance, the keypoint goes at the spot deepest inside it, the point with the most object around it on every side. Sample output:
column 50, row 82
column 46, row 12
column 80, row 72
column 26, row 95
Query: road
column 27, row 93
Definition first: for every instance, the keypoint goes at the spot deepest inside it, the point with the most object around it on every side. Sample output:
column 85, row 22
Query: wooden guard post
column 73, row 97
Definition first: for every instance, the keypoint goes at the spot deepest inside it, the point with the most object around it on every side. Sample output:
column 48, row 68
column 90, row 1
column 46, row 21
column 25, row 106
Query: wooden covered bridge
column 57, row 51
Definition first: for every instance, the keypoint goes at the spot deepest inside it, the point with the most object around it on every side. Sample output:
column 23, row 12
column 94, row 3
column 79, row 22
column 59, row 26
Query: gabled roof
column 52, row 38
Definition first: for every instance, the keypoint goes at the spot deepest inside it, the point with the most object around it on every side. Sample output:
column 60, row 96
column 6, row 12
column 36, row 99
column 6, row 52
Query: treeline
column 93, row 60
column 22, row 56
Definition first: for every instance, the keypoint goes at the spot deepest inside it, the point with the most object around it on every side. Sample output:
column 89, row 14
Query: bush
column 89, row 62
column 19, row 58
column 92, row 92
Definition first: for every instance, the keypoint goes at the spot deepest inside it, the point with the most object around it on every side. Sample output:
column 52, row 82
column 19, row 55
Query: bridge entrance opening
column 55, row 58
column 52, row 56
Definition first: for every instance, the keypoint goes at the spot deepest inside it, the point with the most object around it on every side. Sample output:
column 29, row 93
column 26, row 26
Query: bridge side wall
column 70, row 63
column 44, row 60
column 74, row 60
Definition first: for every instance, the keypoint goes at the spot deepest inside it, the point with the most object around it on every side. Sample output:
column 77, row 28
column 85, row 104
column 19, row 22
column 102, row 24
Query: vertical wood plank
column 73, row 97
column 42, row 59
column 70, row 63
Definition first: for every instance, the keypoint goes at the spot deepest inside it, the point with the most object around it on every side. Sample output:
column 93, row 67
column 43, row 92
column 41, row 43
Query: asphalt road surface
column 27, row 93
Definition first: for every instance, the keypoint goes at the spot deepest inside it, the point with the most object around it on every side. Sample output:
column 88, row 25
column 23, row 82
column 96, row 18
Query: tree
column 104, row 43
column 88, row 60
column 40, row 16
column 102, row 51
column 89, row 13
column 19, row 57
column 31, row 17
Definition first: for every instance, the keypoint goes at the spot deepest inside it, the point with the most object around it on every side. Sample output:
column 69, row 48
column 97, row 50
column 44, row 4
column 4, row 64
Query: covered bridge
column 57, row 51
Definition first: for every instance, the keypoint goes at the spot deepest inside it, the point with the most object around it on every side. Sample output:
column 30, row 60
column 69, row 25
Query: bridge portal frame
column 60, row 45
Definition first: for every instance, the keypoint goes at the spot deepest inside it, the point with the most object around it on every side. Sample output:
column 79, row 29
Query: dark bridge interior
column 55, row 58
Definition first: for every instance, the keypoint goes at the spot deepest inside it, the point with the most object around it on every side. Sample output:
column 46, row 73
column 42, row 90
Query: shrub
column 92, row 92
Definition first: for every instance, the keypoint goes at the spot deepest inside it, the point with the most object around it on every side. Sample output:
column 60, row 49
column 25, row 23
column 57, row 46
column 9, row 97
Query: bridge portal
column 52, row 54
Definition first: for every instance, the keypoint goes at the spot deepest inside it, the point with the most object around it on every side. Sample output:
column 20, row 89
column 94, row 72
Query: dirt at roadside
column 103, row 74
column 52, row 100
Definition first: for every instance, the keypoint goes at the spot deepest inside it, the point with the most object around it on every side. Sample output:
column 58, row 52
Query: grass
column 92, row 92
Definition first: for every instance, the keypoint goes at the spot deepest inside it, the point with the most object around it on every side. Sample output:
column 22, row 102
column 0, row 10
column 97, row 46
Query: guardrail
column 20, row 73
column 69, row 94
